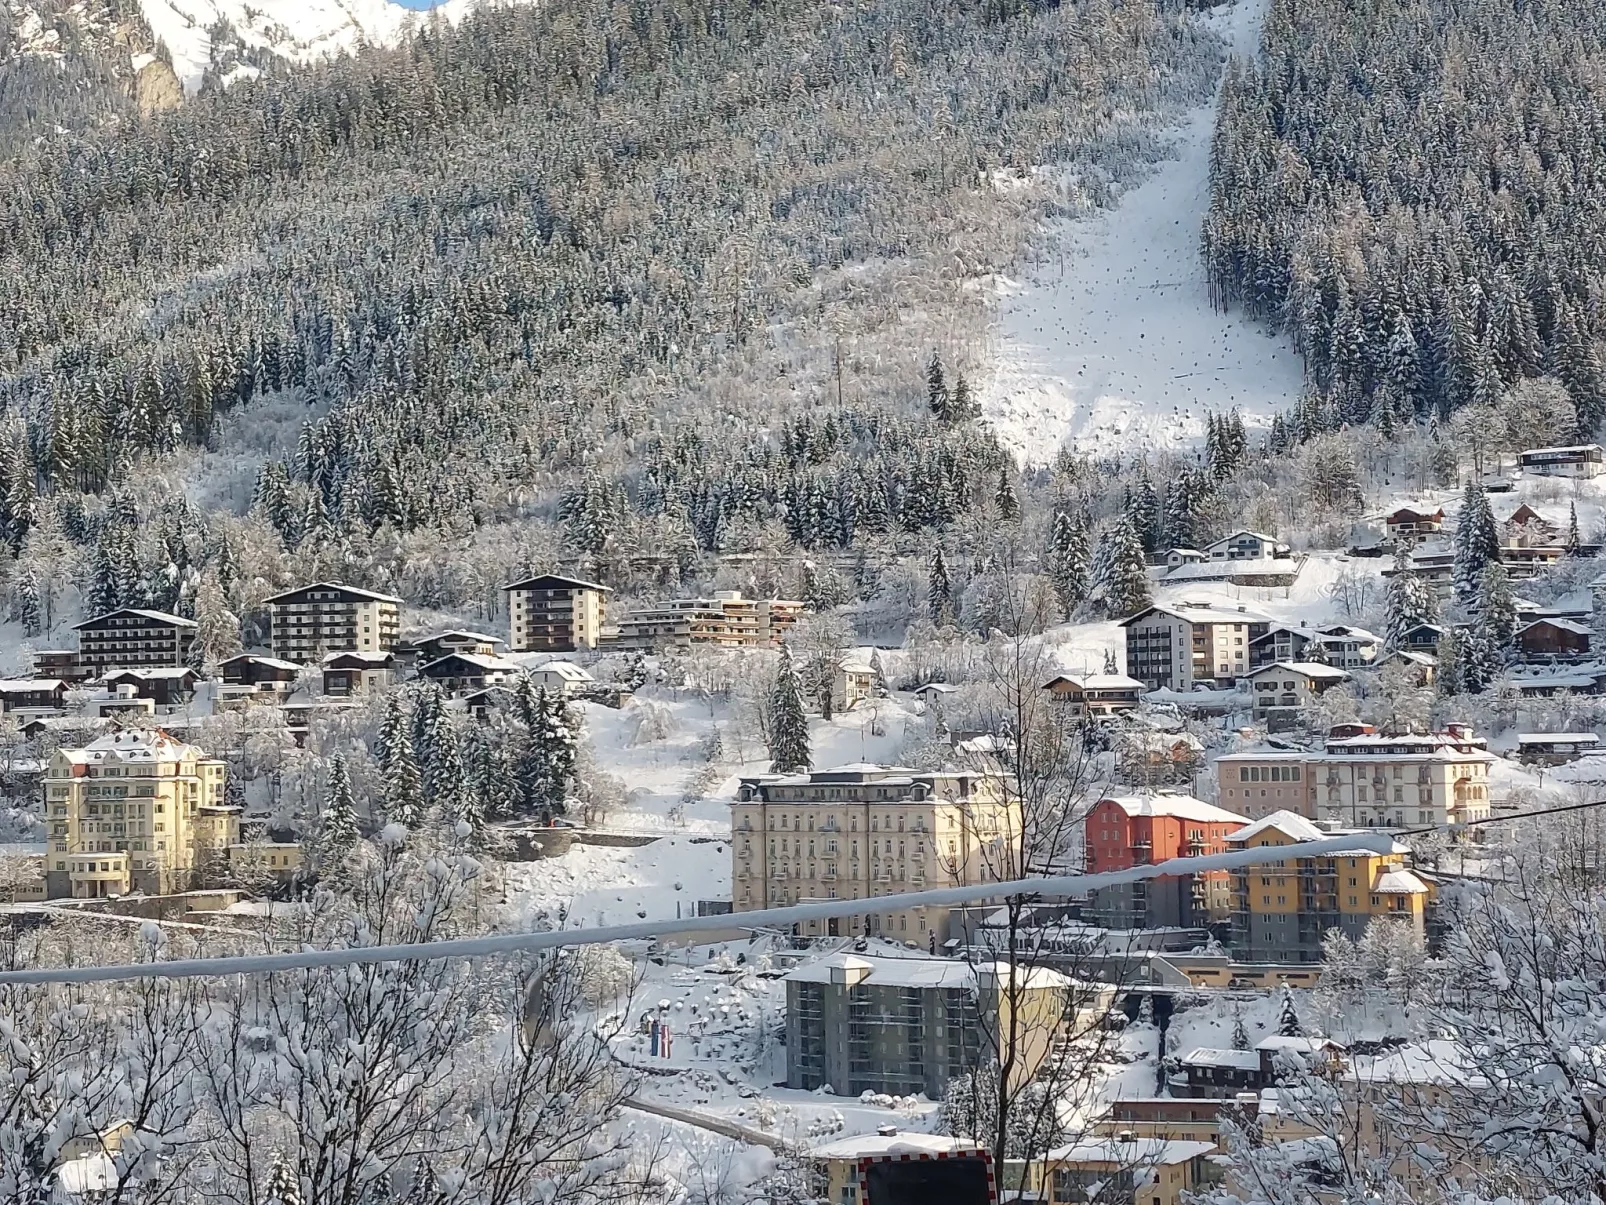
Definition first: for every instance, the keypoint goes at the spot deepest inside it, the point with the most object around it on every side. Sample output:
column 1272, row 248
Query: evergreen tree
column 1240, row 1035
column 26, row 607
column 1448, row 679
column 1497, row 610
column 445, row 777
column 217, row 629
column 789, row 728
column 1288, row 1025
column 939, row 592
column 282, row 1188
column 1067, row 561
column 547, row 762
column 962, row 406
column 1573, row 539
column 936, row 389
column 1124, row 586
column 1477, row 543
column 1408, row 600
column 1477, row 663
column 403, row 796
column 1146, row 513
column 338, row 831
column 1004, row 496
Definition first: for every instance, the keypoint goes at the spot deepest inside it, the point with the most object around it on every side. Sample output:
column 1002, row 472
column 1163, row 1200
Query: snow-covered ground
column 1113, row 344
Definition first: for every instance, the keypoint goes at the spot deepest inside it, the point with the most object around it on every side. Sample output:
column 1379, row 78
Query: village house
column 1126, row 1168
column 841, row 1162
column 553, row 614
column 1576, row 460
column 1245, row 546
column 1554, row 640
column 349, row 674
column 117, row 702
column 855, row 682
column 562, row 678
column 1421, row 668
column 1175, row 558
column 59, row 663
column 250, row 676
column 1338, row 644
column 423, row 649
column 1282, row 692
column 1413, row 524
column 1212, row 1073
column 1096, row 695
column 30, row 698
column 167, row 686
column 456, row 673
column 1554, row 748
column 310, row 622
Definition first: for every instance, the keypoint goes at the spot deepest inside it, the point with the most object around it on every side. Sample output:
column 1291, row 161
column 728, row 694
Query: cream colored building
column 725, row 620
column 862, row 831
column 308, row 623
column 1191, row 644
column 1366, row 779
column 552, row 614
column 134, row 811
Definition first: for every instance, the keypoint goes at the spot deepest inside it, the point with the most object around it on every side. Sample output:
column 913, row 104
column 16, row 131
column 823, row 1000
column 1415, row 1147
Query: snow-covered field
column 1113, row 344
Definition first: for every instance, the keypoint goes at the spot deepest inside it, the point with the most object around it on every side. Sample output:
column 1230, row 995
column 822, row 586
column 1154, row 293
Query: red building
column 1135, row 830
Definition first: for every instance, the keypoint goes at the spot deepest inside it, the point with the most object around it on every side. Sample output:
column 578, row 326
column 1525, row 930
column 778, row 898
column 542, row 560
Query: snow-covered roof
column 157, row 673
column 924, row 972
column 1198, row 612
column 1298, row 1043
column 571, row 583
column 1167, row 803
column 1414, row 656
column 567, row 670
column 1527, row 738
column 259, row 659
column 1206, row 571
column 482, row 661
column 1290, row 824
column 1267, row 755
column 1565, row 449
column 1097, row 681
column 1243, row 531
column 149, row 745
column 88, row 1174
column 1137, row 1153
column 1400, row 881
column 457, row 634
column 1435, row 1061
column 870, row 1146
column 20, row 686
column 371, row 595
column 941, row 688
column 1314, row 670
column 1566, row 625
column 374, row 659
column 158, row 616
column 1209, row 1056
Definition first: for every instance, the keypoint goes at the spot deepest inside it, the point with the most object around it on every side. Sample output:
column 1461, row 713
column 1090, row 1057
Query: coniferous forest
column 1413, row 190
column 614, row 286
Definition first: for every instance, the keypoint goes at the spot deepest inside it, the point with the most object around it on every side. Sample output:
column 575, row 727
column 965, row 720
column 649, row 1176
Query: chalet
column 302, row 715
column 1546, row 684
column 166, row 686
column 425, row 649
column 133, row 637
column 1285, row 688
column 931, row 693
column 349, row 674
column 1576, row 460
column 32, row 698
column 561, row 678
column 1554, row 748
column 59, row 663
column 252, row 675
column 459, row 672
column 1525, row 527
column 118, row 702
column 1177, row 557
column 1424, row 637
column 552, row 614
column 1339, row 644
column 1411, row 524
column 1421, row 668
column 1095, row 694
column 1245, row 546
column 1208, row 1072
column 1554, row 640
column 493, row 700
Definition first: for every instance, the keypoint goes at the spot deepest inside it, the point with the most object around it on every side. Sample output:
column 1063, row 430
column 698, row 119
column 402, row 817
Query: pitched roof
column 459, row 632
column 1400, row 881
column 151, row 673
column 924, row 972
column 567, row 670
column 156, row 616
column 1314, row 670
column 379, row 660
column 871, row 1146
column 19, row 686
column 372, row 595
column 1167, row 803
column 476, row 660
column 1290, row 824
column 548, row 581
column 1096, row 681
column 259, row 659
column 1137, row 1154
column 1565, row 625
column 1194, row 612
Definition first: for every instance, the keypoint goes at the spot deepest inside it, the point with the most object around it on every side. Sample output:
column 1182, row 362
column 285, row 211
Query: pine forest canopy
column 645, row 270
column 1412, row 188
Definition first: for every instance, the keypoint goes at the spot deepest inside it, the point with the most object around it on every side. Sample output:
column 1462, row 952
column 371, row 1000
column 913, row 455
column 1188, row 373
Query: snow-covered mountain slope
column 298, row 30
column 1114, row 344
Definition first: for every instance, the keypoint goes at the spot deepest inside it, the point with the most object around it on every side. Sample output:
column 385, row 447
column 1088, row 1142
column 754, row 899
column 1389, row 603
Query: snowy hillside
column 298, row 30
column 1113, row 343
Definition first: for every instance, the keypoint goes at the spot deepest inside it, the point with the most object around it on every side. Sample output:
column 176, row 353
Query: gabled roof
column 151, row 673
column 259, row 659
column 1313, row 670
column 21, row 686
column 416, row 641
column 1168, row 803
column 1096, row 681
column 351, row 660
column 1244, row 531
column 1290, row 824
column 479, row 661
column 567, row 670
column 1198, row 613
column 1414, row 656
column 553, row 581
column 1565, row 625
column 371, row 595
column 177, row 621
column 1400, row 881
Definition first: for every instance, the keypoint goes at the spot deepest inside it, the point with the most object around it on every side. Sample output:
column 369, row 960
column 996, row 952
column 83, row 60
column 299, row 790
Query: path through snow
column 1119, row 348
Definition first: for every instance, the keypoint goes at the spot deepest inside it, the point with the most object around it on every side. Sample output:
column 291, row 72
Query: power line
column 1502, row 819
column 1053, row 886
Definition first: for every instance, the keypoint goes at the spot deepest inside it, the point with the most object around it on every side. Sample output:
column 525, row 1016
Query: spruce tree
column 26, row 607
column 338, row 832
column 403, row 797
column 1447, row 681
column 1476, row 663
column 1004, row 496
column 1240, row 1035
column 1477, row 542
column 1573, row 540
column 1288, row 1025
column 1125, row 587
column 1408, row 600
column 445, row 787
column 282, row 1188
column 939, row 592
column 789, row 728
column 1067, row 561
column 936, row 389
column 1497, row 611
column 962, row 405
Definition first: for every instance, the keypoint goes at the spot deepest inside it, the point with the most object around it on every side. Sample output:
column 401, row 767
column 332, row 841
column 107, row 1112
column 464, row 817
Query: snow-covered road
column 1114, row 345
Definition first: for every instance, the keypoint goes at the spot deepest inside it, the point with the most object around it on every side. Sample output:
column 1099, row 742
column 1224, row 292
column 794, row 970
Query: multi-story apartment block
column 908, row 1025
column 132, row 637
column 310, row 622
column 725, row 620
column 552, row 614
column 1191, row 644
column 1139, row 830
column 862, row 831
column 134, row 811
column 1366, row 779
column 1281, row 911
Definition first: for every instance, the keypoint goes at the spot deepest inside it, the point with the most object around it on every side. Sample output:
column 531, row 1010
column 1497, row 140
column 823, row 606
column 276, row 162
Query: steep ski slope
column 1114, row 345
column 296, row 29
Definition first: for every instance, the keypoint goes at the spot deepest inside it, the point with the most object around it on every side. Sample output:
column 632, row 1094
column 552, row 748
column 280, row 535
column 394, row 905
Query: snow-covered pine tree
column 1497, row 610
column 1477, row 542
column 403, row 792
column 337, row 833
column 444, row 774
column 26, row 607
column 1288, row 1025
column 936, row 389
column 1005, row 497
column 1407, row 599
column 789, row 727
column 962, row 405
column 1447, row 681
column 217, row 629
column 1125, row 588
column 1146, row 513
column 282, row 1187
column 939, row 591
column 1476, row 658
column 1067, row 561
column 1240, row 1035
column 1573, row 539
